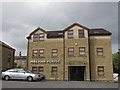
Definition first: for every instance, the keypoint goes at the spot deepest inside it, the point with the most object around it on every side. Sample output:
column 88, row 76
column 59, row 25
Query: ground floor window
column 54, row 71
column 40, row 70
column 100, row 70
column 34, row 69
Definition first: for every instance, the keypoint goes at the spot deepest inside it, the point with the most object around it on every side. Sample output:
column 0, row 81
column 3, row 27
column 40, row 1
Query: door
column 21, row 74
column 76, row 73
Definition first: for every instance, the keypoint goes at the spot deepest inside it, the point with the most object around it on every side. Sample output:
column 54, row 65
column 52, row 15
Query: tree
column 115, row 62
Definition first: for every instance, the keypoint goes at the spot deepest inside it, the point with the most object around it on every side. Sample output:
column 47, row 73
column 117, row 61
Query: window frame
column 33, row 53
column 99, row 51
column 36, row 37
column 41, row 70
column 70, row 34
column 54, row 70
column 100, row 71
column 81, row 33
column 70, row 51
column 36, row 69
column 54, row 52
column 41, row 37
column 82, row 51
column 41, row 53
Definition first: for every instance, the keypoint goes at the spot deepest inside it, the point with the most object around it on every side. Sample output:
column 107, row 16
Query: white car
column 20, row 74
column 115, row 76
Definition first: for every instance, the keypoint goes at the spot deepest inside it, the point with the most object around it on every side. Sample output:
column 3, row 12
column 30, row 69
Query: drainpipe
column 63, row 57
column 89, row 55
column 27, row 53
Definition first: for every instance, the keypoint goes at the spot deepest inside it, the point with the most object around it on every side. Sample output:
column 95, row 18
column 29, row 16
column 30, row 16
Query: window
column 99, row 51
column 81, row 51
column 35, row 37
column 54, row 70
column 9, row 57
column 41, row 52
column 40, row 70
column 35, row 53
column 70, row 34
column 34, row 69
column 100, row 70
column 81, row 33
column 54, row 52
column 41, row 37
column 22, row 62
column 71, row 51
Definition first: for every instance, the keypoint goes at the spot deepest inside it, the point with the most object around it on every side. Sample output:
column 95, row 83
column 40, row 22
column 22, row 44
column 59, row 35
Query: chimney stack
column 20, row 54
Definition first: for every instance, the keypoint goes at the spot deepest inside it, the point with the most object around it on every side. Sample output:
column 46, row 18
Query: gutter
column 27, row 53
column 89, row 55
column 64, row 58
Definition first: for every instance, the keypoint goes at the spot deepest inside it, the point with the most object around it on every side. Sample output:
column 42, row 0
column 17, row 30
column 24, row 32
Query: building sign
column 44, row 61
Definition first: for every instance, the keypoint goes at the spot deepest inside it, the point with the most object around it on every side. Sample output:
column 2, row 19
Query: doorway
column 76, row 73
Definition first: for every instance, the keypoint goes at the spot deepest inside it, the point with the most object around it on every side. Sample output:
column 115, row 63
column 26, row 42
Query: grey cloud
column 20, row 19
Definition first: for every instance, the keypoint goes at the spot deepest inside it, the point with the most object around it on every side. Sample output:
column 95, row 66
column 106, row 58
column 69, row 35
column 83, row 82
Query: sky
column 19, row 19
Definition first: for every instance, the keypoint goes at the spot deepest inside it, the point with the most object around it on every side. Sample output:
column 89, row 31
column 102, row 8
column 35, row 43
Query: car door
column 21, row 74
column 13, row 74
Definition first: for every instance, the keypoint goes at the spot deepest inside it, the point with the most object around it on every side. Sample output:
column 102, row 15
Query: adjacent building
column 76, row 53
column 7, row 56
column 20, row 61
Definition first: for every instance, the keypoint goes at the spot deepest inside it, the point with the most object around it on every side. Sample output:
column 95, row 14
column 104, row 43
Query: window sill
column 54, row 57
column 100, row 56
column 100, row 76
column 41, row 57
column 71, row 56
column 82, row 56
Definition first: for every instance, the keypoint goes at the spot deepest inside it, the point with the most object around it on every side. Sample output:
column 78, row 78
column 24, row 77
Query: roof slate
column 98, row 31
column 5, row 45
column 58, row 33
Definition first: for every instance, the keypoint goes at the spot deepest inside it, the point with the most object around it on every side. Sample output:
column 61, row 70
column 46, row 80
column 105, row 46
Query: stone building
column 21, row 61
column 76, row 53
column 7, row 56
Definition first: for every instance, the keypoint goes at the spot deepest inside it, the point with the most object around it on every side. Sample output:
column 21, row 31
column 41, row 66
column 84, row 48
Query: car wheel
column 30, row 79
column 7, row 78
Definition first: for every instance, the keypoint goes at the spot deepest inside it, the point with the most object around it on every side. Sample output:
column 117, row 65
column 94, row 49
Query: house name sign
column 44, row 61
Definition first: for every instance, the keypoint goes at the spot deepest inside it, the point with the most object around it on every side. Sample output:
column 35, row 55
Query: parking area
column 57, row 84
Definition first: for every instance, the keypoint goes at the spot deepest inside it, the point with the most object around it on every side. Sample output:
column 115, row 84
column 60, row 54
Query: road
column 57, row 84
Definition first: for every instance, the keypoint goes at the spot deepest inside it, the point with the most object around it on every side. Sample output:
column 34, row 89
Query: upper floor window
column 54, row 52
column 9, row 57
column 54, row 70
column 100, row 70
column 35, row 37
column 22, row 63
column 99, row 51
column 70, row 51
column 81, row 33
column 35, row 53
column 70, row 34
column 38, row 37
column 41, row 37
column 41, row 52
column 81, row 51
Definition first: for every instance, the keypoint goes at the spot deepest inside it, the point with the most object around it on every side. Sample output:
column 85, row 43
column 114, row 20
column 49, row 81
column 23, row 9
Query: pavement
column 57, row 84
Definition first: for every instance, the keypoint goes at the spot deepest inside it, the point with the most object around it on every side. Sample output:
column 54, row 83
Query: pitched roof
column 5, row 45
column 20, row 57
column 52, row 34
column 99, row 31
column 60, row 33
column 74, row 24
